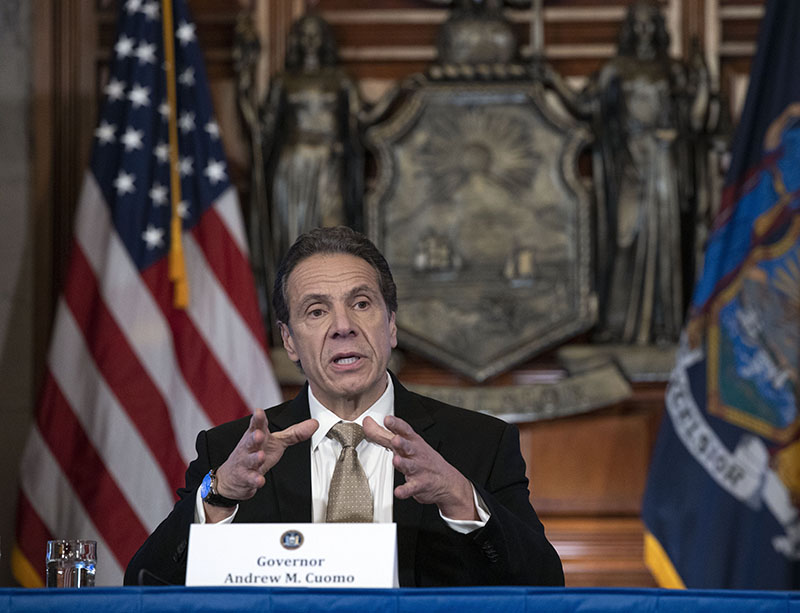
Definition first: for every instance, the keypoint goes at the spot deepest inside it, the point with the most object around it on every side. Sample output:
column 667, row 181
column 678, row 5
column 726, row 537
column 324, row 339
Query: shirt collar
column 327, row 419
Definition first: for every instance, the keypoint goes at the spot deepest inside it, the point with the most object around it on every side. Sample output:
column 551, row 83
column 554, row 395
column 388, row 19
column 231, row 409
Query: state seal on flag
column 753, row 337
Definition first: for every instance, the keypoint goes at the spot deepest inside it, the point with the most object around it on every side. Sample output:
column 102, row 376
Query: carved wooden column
column 63, row 111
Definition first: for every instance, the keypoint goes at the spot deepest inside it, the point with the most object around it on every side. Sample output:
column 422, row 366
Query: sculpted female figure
column 314, row 162
column 644, row 124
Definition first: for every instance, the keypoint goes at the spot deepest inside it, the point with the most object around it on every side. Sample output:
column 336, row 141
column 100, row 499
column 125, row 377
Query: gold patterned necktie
column 349, row 497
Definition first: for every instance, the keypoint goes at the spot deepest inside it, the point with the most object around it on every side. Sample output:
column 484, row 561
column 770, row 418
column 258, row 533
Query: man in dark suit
column 452, row 480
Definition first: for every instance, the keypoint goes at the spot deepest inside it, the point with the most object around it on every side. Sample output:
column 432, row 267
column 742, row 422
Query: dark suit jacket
column 510, row 549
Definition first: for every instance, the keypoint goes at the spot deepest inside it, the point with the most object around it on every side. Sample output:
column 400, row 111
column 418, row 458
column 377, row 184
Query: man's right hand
column 242, row 474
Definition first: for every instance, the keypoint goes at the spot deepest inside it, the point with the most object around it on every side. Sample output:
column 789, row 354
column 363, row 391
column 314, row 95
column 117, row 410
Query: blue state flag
column 722, row 503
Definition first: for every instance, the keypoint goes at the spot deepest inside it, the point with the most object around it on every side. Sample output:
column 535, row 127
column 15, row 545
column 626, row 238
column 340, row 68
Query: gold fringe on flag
column 657, row 560
column 23, row 570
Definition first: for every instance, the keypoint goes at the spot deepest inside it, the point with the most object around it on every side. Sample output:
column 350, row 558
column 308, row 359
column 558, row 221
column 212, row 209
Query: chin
column 357, row 391
column 353, row 392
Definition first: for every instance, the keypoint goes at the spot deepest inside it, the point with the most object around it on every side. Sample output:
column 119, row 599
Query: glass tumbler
column 71, row 563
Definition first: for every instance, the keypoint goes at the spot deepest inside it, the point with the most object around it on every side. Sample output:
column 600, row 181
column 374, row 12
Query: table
column 450, row 600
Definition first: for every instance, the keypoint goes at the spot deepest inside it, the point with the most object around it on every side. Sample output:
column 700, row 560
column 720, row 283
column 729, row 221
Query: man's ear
column 288, row 341
column 393, row 329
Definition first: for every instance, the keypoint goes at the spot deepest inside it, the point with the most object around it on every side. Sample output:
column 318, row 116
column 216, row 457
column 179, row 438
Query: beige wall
column 16, row 251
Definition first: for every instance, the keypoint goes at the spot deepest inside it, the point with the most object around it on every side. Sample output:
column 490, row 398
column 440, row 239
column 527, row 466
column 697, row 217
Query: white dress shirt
column 376, row 460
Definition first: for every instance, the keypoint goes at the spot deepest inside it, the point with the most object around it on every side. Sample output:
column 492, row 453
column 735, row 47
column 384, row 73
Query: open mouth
column 345, row 360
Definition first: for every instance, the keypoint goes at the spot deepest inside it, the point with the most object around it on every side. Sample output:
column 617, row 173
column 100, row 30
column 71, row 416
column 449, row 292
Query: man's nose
column 342, row 324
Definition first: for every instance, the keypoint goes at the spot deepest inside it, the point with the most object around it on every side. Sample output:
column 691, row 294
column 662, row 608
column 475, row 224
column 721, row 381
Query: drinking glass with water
column 71, row 563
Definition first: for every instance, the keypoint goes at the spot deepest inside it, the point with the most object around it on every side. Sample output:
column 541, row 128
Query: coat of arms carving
column 479, row 207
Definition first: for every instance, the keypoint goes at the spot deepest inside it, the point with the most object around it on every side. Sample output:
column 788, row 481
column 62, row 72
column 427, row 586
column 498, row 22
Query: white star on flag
column 105, row 132
column 158, row 194
column 115, row 89
column 185, row 166
column 150, row 11
column 186, row 122
column 132, row 139
column 161, row 152
column 139, row 96
column 164, row 110
column 146, row 53
column 124, row 183
column 185, row 33
column 183, row 209
column 212, row 127
column 153, row 237
column 131, row 6
column 215, row 171
column 187, row 77
column 124, row 47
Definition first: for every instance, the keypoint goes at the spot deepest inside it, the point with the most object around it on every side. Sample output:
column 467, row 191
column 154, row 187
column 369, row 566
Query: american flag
column 131, row 378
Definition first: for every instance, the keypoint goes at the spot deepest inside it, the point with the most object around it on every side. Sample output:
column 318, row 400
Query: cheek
column 302, row 342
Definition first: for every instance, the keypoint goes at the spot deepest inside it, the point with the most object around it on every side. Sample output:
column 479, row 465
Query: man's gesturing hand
column 430, row 479
column 257, row 451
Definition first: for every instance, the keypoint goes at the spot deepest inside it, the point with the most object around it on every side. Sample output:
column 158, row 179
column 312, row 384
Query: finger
column 404, row 447
column 258, row 421
column 398, row 426
column 254, row 461
column 407, row 490
column 254, row 439
column 254, row 479
column 298, row 432
column 406, row 441
column 377, row 434
column 404, row 465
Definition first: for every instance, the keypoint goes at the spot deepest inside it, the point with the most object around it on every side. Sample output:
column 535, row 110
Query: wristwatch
column 208, row 492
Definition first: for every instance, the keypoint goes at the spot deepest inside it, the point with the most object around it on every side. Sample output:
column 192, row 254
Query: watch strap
column 212, row 497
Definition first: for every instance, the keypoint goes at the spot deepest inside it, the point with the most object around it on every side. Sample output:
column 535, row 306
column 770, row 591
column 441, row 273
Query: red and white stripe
column 131, row 381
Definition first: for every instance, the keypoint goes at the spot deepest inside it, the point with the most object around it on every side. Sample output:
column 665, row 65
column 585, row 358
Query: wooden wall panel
column 588, row 475
column 593, row 464
column 588, row 472
column 599, row 552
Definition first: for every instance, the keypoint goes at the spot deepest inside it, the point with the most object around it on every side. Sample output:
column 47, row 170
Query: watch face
column 205, row 486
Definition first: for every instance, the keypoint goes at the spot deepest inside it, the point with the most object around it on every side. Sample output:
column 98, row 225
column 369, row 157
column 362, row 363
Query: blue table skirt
column 470, row 600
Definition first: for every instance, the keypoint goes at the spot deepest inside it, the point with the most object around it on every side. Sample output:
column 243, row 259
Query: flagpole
column 177, row 264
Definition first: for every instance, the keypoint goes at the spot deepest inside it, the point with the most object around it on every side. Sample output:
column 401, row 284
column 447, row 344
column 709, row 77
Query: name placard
column 293, row 555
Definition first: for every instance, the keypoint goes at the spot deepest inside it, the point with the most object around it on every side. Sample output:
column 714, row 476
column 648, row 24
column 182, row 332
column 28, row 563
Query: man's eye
column 362, row 304
column 316, row 312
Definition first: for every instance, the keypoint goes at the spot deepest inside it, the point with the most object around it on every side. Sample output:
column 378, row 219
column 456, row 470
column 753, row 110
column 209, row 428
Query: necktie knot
column 347, row 434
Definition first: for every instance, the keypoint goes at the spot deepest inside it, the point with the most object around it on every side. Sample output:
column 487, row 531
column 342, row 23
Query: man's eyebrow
column 312, row 298
column 367, row 290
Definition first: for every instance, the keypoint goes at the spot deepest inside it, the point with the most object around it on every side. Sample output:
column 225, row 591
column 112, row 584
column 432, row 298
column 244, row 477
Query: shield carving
column 481, row 213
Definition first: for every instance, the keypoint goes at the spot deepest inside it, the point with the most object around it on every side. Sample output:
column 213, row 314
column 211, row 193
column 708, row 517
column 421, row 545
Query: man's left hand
column 430, row 479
